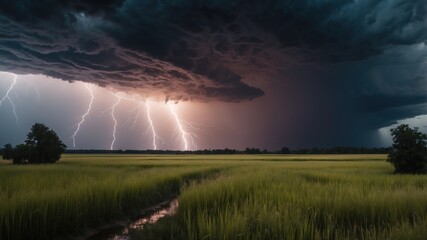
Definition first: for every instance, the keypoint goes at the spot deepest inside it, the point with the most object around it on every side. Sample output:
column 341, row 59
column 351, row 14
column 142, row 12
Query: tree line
column 284, row 150
column 408, row 154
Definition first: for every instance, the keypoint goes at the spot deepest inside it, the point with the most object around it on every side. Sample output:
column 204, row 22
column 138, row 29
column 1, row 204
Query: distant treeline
column 284, row 150
column 342, row 150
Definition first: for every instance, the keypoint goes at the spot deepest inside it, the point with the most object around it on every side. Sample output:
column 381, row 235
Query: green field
column 220, row 197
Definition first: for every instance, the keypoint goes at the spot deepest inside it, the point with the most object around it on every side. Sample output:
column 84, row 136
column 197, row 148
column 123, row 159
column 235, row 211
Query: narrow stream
column 151, row 216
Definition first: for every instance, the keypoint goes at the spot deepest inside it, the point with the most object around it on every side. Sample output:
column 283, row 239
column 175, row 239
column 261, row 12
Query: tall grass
column 51, row 201
column 251, row 197
column 301, row 200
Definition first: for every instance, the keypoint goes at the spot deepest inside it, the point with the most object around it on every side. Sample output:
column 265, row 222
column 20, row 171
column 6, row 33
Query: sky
column 187, row 74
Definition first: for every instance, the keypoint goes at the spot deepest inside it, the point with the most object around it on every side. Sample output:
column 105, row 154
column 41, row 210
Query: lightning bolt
column 150, row 121
column 83, row 117
column 7, row 96
column 184, row 134
column 113, row 116
column 155, row 137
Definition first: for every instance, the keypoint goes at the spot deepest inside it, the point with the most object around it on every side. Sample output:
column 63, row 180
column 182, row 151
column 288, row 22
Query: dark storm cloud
column 196, row 50
column 377, row 102
column 333, row 71
column 105, row 43
column 200, row 50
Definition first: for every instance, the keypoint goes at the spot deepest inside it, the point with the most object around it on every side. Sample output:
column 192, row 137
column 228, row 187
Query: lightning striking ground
column 7, row 96
column 184, row 134
column 150, row 121
column 113, row 116
column 83, row 117
column 155, row 137
column 183, row 127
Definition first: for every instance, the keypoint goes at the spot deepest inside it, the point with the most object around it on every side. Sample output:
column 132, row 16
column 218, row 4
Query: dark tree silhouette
column 21, row 153
column 252, row 151
column 409, row 150
column 7, row 152
column 42, row 146
column 46, row 143
column 285, row 150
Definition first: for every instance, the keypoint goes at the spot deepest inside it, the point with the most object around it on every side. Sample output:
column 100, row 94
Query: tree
column 7, row 152
column 22, row 152
column 285, row 150
column 409, row 150
column 252, row 151
column 42, row 146
column 47, row 147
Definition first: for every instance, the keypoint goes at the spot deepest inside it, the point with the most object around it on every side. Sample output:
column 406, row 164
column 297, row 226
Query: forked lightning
column 7, row 96
column 83, row 117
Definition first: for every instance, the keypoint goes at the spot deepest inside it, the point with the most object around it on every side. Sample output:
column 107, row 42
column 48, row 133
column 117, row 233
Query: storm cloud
column 196, row 50
column 327, row 72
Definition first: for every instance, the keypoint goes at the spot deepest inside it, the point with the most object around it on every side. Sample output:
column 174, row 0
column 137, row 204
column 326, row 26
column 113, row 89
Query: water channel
column 149, row 216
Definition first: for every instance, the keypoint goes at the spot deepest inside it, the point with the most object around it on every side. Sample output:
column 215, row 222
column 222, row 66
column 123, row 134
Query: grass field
column 84, row 191
column 241, row 197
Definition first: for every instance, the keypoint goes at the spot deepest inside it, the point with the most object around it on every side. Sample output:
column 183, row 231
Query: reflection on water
column 151, row 217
